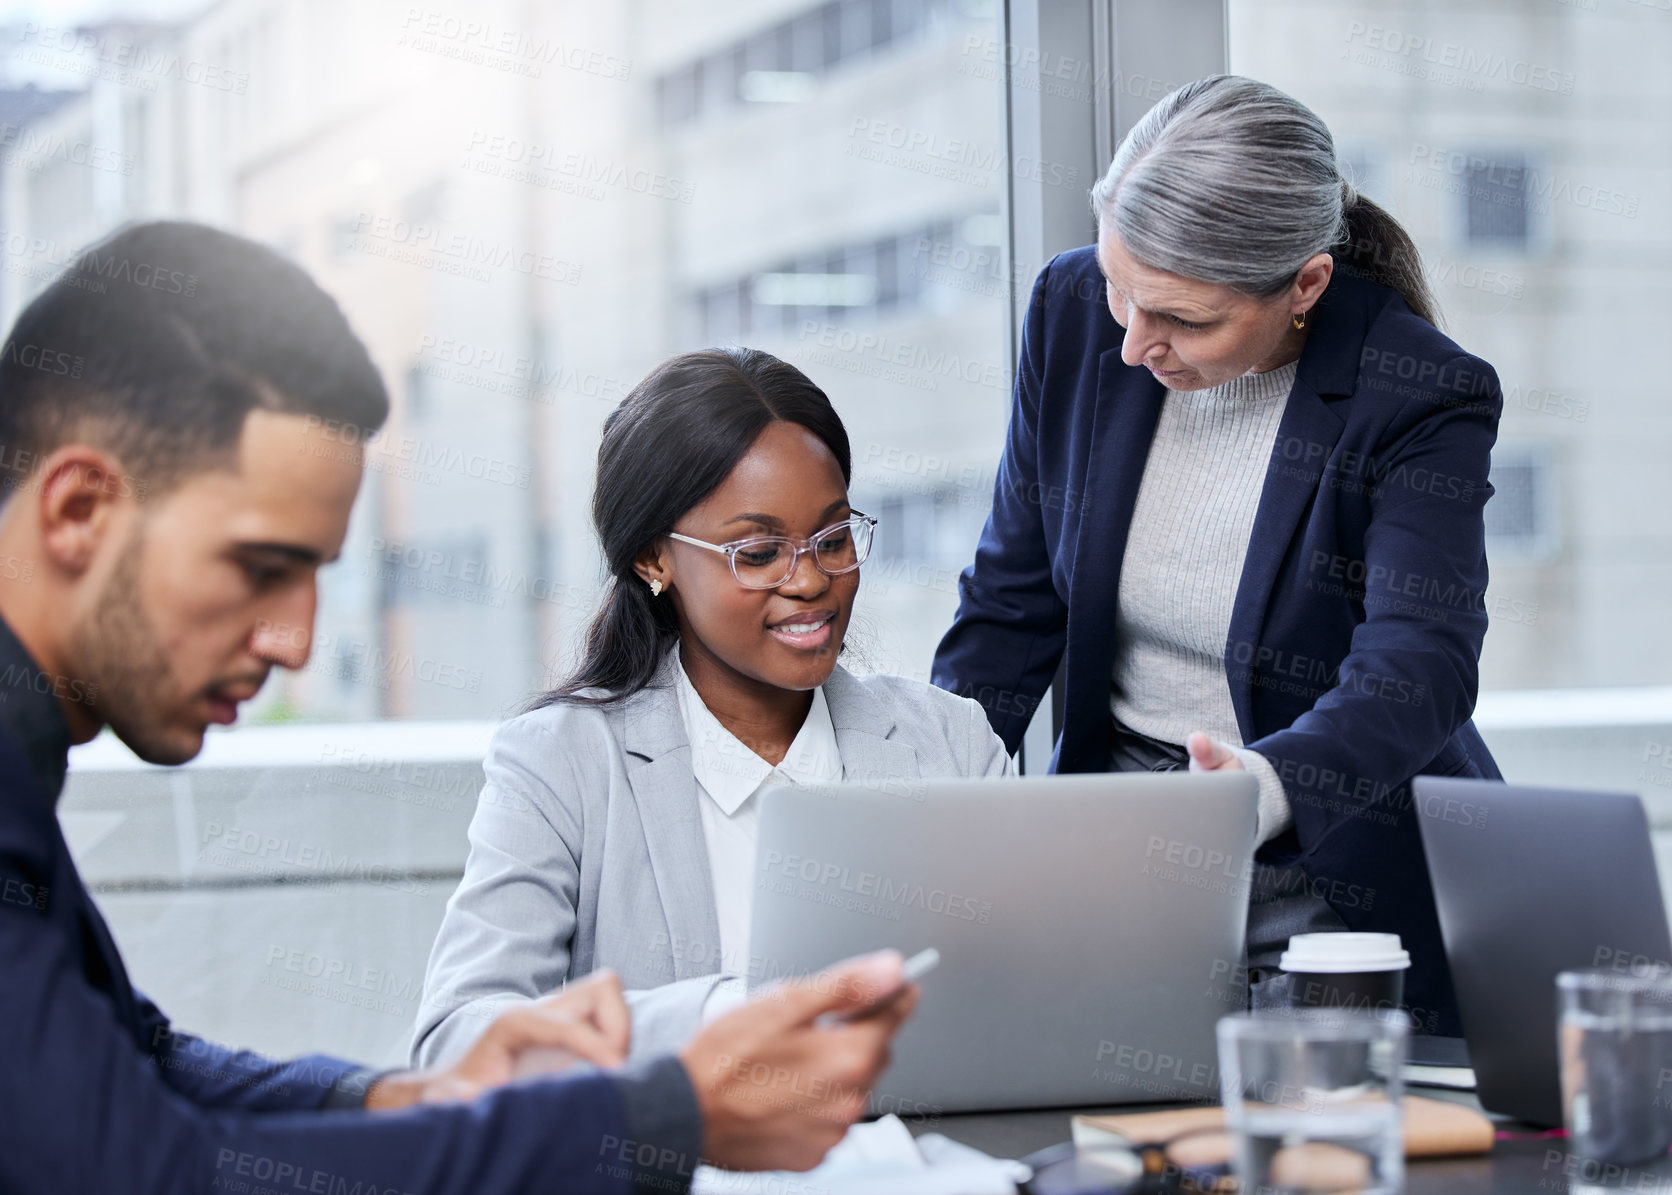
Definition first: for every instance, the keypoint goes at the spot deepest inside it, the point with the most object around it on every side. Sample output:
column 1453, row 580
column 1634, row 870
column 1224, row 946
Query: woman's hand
column 587, row 1021
column 1210, row 755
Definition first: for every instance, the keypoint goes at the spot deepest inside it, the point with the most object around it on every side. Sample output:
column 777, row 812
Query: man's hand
column 587, row 1021
column 779, row 1082
column 1208, row 755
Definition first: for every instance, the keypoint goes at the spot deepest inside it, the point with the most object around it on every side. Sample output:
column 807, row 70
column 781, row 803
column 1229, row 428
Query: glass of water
column 1312, row 1099
column 1614, row 1038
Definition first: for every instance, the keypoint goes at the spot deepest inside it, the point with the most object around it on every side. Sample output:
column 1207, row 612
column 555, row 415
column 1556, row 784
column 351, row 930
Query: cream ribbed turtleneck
column 1184, row 556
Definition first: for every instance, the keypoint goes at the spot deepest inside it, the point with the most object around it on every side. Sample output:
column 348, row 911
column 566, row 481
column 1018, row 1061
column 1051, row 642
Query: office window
column 344, row 235
column 417, row 394
column 922, row 544
column 808, row 41
column 725, row 314
column 784, row 62
column 422, row 205
column 904, row 17
column 768, row 51
column 885, row 258
column 1366, row 168
column 346, row 668
column 851, row 282
column 855, row 24
column 1497, row 200
column 132, row 159
column 1519, row 515
column 722, row 78
column 439, row 570
column 679, row 94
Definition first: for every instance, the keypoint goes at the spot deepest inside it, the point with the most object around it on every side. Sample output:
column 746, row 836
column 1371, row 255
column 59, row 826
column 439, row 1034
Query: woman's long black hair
column 670, row 444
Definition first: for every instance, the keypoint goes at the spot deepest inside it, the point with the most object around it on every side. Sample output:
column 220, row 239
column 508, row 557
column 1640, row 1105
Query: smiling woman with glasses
column 617, row 826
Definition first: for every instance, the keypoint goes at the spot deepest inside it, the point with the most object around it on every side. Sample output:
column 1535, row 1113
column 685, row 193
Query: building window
column 1362, row 165
column 865, row 278
column 725, row 314
column 438, row 571
column 423, row 204
column 1497, row 198
column 783, row 63
column 679, row 95
column 417, row 394
column 1520, row 515
column 926, row 533
column 345, row 237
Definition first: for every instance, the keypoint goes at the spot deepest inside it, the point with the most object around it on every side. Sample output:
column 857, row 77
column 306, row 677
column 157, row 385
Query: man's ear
column 655, row 564
column 80, row 496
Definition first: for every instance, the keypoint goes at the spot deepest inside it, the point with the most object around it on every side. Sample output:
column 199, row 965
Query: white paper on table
column 879, row 1158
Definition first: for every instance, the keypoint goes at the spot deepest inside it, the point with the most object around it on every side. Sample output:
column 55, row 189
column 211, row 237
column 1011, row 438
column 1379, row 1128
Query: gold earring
column 655, row 589
column 1299, row 321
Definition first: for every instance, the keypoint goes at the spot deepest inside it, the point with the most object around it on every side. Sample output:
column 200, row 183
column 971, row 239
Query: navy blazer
column 101, row 1094
column 1355, row 638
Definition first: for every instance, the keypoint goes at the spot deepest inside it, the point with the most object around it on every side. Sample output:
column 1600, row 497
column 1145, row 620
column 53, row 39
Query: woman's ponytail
column 1377, row 246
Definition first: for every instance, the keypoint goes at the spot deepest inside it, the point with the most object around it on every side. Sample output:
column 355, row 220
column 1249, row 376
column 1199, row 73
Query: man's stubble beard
column 118, row 651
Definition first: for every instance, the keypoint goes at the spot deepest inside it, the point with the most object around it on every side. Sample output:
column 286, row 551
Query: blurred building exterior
column 1528, row 149
column 524, row 206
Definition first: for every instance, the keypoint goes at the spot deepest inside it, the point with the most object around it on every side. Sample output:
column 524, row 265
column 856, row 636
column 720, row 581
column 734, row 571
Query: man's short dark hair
column 155, row 345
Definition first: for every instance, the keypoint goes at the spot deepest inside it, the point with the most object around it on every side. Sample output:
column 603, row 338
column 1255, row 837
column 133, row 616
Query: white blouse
column 730, row 775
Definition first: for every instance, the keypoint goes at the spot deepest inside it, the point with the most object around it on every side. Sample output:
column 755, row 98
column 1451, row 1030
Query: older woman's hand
column 1210, row 755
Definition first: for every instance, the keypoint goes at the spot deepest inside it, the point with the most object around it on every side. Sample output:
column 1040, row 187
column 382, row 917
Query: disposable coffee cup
column 1355, row 971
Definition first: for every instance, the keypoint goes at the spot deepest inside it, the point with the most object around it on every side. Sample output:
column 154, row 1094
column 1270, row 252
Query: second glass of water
column 1615, row 1044
column 1312, row 1100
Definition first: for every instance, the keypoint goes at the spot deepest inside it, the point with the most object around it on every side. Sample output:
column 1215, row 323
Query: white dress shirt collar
column 730, row 772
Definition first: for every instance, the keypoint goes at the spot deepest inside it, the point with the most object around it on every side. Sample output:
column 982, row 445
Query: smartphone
column 917, row 966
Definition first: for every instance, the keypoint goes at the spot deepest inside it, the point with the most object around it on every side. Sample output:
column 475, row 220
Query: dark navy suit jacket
column 99, row 1094
column 1355, row 637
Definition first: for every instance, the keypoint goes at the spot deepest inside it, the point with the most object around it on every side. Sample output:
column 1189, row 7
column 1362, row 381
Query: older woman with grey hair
column 1240, row 507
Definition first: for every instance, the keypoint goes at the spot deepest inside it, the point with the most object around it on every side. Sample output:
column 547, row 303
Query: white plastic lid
column 1340, row 954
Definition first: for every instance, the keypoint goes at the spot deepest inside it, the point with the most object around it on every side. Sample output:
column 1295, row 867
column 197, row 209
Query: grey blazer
column 587, row 851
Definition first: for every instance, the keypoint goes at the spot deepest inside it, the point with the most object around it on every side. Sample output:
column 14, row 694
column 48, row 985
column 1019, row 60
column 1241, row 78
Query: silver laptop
column 1090, row 927
column 1531, row 882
